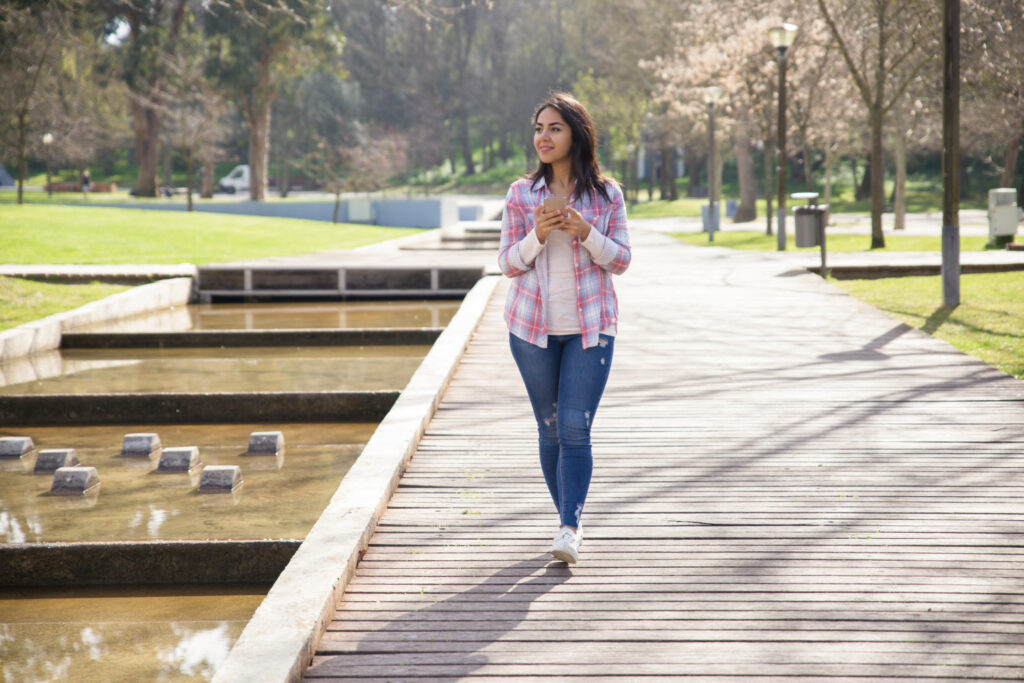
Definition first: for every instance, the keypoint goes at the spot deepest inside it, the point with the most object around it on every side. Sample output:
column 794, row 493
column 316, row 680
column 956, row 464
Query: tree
column 30, row 59
column 257, row 43
column 885, row 45
column 154, row 27
column 194, row 110
column 993, row 82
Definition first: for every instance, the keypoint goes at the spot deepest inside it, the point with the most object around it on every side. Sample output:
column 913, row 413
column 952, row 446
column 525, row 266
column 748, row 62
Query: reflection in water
column 104, row 634
column 286, row 316
column 218, row 370
column 136, row 504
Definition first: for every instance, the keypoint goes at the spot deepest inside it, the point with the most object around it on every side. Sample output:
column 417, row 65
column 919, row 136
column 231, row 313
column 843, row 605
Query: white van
column 236, row 181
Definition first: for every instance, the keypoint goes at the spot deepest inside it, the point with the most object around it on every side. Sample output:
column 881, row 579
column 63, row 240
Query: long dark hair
column 586, row 170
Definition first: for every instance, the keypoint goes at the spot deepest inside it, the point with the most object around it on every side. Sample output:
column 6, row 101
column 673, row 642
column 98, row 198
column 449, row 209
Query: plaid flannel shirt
column 597, row 305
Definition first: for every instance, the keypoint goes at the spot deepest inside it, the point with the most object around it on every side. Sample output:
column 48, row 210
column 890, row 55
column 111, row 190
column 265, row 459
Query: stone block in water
column 141, row 445
column 16, row 446
column 74, row 481
column 179, row 459
column 266, row 443
column 52, row 459
column 220, row 479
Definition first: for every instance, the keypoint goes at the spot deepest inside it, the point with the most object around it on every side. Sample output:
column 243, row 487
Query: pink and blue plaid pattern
column 598, row 308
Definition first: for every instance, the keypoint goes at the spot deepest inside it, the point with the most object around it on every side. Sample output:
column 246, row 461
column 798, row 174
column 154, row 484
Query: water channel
column 181, row 633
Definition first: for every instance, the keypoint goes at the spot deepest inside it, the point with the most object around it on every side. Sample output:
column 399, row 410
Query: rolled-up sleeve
column 515, row 229
column 611, row 250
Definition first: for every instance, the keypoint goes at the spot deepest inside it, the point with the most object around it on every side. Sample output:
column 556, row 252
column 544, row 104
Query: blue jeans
column 565, row 383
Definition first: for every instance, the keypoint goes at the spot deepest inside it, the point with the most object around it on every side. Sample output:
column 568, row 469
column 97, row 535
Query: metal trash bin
column 810, row 222
column 1002, row 215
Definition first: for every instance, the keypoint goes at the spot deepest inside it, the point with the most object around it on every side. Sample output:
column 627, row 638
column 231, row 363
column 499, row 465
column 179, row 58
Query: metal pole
column 712, row 204
column 821, row 236
column 951, row 155
column 780, row 167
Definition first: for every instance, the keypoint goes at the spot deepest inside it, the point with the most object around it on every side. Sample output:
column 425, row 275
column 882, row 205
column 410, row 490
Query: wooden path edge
column 280, row 640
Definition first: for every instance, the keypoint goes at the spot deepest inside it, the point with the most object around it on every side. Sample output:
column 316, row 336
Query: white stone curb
column 279, row 641
column 44, row 334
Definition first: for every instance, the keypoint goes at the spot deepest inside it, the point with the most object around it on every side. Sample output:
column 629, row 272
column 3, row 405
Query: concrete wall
column 44, row 335
column 436, row 212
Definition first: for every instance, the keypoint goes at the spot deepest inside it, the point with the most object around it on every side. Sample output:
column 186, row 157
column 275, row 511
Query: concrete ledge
column 110, row 273
column 143, row 562
column 872, row 272
column 31, row 410
column 45, row 334
column 230, row 338
column 279, row 641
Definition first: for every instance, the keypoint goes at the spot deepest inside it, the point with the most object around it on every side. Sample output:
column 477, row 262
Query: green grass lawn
column 758, row 241
column 22, row 301
column 64, row 234
column 988, row 324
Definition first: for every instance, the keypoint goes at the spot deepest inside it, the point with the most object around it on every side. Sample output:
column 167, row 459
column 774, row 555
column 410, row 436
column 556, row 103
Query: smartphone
column 555, row 203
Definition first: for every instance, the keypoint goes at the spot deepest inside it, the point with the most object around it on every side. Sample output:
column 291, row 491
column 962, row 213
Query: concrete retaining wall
column 45, row 334
column 436, row 212
column 279, row 640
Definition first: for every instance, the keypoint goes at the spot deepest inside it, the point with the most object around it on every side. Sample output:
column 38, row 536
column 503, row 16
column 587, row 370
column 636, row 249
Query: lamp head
column 47, row 138
column 782, row 37
column 712, row 94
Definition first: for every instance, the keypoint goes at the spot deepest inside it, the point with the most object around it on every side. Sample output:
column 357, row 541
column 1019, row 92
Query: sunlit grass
column 758, row 241
column 988, row 324
column 23, row 301
column 65, row 234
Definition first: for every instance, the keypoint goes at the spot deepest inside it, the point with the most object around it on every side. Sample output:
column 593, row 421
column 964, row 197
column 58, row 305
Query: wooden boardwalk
column 787, row 484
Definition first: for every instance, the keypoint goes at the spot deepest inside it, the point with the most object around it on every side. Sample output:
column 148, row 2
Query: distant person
column 86, row 182
column 563, row 235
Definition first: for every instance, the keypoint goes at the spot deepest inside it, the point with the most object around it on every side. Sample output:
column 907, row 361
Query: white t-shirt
column 563, row 297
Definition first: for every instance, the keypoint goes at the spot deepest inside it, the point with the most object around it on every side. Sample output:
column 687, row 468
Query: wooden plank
column 786, row 484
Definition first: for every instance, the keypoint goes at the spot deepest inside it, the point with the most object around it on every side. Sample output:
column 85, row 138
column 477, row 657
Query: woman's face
column 551, row 136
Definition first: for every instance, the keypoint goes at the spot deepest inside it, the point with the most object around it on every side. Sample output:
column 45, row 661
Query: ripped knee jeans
column 564, row 382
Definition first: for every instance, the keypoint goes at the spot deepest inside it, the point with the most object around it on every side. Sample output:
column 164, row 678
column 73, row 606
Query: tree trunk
column 1010, row 161
column 337, row 206
column 651, row 167
column 877, row 180
column 147, row 135
column 258, row 116
column 899, row 190
column 673, row 189
column 464, row 141
column 863, row 190
column 747, row 209
column 22, row 125
column 206, row 191
column 188, row 178
column 808, row 176
column 768, row 184
column 666, row 161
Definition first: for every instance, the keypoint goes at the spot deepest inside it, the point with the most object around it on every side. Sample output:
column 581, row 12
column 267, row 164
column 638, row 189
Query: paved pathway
column 787, row 483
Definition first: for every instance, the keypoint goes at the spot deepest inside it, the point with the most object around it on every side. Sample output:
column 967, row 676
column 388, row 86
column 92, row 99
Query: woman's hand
column 568, row 220
column 575, row 225
column 547, row 221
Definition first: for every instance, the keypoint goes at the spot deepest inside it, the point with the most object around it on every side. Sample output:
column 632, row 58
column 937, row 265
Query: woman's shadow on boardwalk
column 443, row 638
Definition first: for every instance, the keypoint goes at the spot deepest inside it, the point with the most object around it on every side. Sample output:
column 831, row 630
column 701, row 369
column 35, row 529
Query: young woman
column 561, row 308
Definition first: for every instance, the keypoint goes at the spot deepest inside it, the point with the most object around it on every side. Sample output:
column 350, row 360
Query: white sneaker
column 566, row 546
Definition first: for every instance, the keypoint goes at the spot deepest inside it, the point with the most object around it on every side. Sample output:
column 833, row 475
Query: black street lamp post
column 47, row 142
column 711, row 95
column 782, row 37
